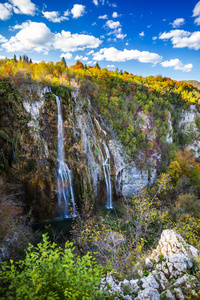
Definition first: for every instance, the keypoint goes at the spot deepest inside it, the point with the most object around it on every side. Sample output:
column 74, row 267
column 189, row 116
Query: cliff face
column 29, row 143
column 98, row 162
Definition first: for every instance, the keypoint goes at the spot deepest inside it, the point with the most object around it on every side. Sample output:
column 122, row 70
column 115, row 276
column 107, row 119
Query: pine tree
column 97, row 66
column 64, row 61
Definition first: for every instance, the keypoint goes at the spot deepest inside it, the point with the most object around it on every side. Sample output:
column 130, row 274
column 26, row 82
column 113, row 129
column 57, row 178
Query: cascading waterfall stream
column 64, row 176
column 106, row 168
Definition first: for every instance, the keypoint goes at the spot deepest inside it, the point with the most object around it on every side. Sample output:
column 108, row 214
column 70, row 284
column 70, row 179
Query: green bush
column 50, row 273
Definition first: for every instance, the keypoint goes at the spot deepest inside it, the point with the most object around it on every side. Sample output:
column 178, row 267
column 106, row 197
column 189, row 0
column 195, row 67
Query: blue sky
column 142, row 37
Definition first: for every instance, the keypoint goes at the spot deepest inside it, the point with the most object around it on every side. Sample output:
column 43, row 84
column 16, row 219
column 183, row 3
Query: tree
column 63, row 61
column 97, row 66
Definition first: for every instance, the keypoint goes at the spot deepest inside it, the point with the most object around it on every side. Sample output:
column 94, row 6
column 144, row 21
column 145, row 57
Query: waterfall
column 106, row 168
column 64, row 176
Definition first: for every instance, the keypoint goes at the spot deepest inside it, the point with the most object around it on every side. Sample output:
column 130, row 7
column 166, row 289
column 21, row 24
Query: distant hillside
column 195, row 83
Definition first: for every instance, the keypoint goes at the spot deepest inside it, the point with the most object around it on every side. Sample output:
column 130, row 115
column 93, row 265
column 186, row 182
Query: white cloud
column 149, row 26
column 93, row 24
column 5, row 11
column 126, row 44
column 115, row 15
column 196, row 13
column 32, row 36
column 95, row 2
column 113, row 25
column 90, row 52
column 68, row 42
column 141, row 33
column 113, row 4
column 113, row 54
column 17, row 6
column 104, row 17
column 178, row 22
column 66, row 13
column 182, row 38
column 154, row 38
column 2, row 39
column 121, row 36
column 117, row 33
column 177, row 65
column 54, row 17
column 196, row 10
column 110, row 66
column 197, row 20
column 25, row 7
column 66, row 55
column 78, row 10
column 80, row 57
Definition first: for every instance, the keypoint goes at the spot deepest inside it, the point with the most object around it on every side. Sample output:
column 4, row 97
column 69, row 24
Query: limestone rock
column 169, row 295
column 149, row 281
column 168, row 279
column 148, row 294
column 171, row 243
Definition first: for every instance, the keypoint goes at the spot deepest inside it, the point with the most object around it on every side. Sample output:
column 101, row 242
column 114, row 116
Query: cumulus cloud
column 121, row 36
column 78, row 10
column 196, row 13
column 117, row 33
column 154, row 38
column 55, row 17
column 67, row 42
column 141, row 33
column 115, row 14
column 176, row 64
column 5, row 11
column 2, row 39
column 178, row 22
column 2, row 57
column 90, row 52
column 113, row 25
column 32, row 36
column 113, row 54
column 25, row 7
column 110, row 66
column 80, row 57
column 104, row 17
column 95, row 2
column 182, row 38
column 66, row 55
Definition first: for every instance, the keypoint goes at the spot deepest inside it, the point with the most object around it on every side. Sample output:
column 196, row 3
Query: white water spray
column 64, row 176
column 106, row 168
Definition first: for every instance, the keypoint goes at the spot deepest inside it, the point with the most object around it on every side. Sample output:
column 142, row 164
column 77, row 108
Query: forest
column 156, row 122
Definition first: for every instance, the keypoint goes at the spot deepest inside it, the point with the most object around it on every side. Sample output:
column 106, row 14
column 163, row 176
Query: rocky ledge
column 171, row 272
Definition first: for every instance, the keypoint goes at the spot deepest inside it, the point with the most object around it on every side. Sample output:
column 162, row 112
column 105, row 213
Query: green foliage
column 47, row 272
column 145, row 273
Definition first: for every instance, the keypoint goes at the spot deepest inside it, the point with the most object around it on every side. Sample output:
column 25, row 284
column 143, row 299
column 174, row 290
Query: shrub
column 50, row 273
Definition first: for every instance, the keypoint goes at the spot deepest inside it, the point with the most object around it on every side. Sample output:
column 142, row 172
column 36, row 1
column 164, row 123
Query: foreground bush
column 50, row 273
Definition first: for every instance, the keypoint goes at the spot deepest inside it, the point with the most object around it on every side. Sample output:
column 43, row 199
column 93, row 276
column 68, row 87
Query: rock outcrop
column 170, row 273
